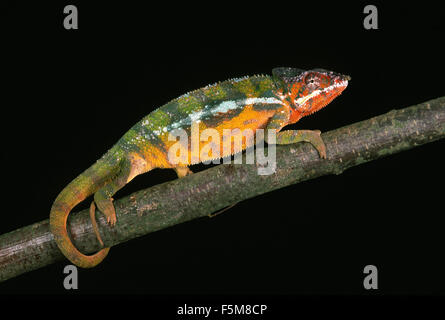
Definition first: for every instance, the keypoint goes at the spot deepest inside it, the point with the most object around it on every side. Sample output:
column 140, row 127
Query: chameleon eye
column 311, row 79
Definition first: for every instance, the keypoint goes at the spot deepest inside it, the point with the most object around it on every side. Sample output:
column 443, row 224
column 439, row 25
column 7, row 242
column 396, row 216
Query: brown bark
column 203, row 193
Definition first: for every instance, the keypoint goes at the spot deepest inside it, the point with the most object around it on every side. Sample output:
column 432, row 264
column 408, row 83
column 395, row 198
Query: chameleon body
column 257, row 102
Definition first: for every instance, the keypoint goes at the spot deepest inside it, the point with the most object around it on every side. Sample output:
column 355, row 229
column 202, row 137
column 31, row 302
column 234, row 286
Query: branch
column 200, row 194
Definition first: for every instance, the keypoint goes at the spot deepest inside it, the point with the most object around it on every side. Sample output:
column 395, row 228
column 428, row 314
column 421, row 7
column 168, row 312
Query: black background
column 68, row 95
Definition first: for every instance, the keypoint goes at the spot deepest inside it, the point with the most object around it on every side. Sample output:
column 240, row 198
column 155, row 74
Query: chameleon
column 251, row 102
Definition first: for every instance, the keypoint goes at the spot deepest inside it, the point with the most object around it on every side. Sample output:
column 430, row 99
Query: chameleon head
column 309, row 91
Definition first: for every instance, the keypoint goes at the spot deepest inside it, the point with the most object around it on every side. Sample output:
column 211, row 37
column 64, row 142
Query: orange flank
column 239, row 129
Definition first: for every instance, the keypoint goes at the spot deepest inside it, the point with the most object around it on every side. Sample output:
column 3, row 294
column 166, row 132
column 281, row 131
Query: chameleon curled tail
column 86, row 184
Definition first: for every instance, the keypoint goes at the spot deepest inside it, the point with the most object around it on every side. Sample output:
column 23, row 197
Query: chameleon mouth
column 340, row 85
column 318, row 99
column 336, row 87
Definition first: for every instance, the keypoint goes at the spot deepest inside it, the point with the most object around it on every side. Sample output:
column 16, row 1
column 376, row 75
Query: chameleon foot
column 311, row 136
column 183, row 171
column 107, row 208
column 314, row 138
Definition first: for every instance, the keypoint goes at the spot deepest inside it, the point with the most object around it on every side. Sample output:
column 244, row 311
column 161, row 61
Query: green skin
column 273, row 103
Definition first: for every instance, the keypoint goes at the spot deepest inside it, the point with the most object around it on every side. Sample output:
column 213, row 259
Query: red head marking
column 307, row 92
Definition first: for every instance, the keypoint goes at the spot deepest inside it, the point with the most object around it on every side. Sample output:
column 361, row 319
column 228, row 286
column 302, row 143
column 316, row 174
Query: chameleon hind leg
column 104, row 201
column 103, row 197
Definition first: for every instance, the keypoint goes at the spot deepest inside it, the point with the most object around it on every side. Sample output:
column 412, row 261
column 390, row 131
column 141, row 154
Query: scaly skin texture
column 258, row 102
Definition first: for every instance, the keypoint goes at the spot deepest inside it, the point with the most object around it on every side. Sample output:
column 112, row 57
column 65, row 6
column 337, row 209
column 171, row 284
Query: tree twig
column 200, row 194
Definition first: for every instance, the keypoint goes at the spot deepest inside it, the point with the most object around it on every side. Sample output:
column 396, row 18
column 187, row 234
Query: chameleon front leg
column 183, row 171
column 294, row 136
column 311, row 136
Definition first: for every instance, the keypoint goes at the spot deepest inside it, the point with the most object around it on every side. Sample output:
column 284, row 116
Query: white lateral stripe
column 270, row 100
column 223, row 107
column 303, row 100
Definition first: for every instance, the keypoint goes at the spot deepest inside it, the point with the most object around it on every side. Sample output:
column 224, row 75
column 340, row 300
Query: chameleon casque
column 257, row 102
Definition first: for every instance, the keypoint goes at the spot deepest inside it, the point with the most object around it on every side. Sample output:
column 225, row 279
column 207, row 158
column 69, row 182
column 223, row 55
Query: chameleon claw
column 321, row 148
column 107, row 208
column 317, row 142
column 111, row 221
column 183, row 171
column 311, row 136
